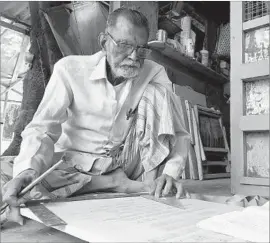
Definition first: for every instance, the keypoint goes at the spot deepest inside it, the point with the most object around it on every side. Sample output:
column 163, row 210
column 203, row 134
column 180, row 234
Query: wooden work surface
column 35, row 232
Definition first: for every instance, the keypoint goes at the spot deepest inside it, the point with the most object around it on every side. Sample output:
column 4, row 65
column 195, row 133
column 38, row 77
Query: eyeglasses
column 142, row 51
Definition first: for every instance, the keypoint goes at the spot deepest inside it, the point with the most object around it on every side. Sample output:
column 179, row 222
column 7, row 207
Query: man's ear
column 102, row 41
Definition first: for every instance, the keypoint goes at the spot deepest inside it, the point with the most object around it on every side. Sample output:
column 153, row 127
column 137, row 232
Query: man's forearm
column 116, row 181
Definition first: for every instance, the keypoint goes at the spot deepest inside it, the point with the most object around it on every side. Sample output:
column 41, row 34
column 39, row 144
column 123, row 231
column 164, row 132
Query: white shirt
column 77, row 113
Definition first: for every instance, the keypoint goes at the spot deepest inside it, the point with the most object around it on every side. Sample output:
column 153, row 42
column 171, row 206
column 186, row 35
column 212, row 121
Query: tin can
column 161, row 35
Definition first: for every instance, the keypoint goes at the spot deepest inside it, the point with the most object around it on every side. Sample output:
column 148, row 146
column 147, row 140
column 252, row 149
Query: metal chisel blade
column 46, row 216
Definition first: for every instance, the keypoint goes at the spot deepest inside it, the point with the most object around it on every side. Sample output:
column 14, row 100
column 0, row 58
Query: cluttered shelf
column 186, row 61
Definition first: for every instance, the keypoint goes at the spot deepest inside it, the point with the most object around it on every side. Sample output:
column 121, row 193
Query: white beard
column 125, row 72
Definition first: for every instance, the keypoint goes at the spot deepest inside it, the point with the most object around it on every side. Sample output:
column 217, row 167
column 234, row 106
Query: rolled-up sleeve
column 40, row 135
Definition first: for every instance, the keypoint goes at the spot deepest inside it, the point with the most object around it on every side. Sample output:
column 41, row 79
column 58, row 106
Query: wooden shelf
column 211, row 149
column 187, row 62
column 211, row 163
column 216, row 175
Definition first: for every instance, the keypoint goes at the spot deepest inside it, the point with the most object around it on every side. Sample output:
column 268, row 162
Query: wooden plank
column 11, row 86
column 14, row 27
column 199, row 135
column 14, row 90
column 209, row 114
column 15, row 20
column 193, row 170
column 211, row 163
column 255, row 23
column 228, row 161
column 191, row 130
column 208, row 110
column 12, row 101
column 217, row 150
column 255, row 181
column 248, row 123
column 226, row 143
column 197, row 146
column 217, row 175
column 184, row 112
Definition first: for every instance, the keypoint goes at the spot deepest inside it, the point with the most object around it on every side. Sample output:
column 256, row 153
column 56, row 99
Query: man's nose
column 133, row 55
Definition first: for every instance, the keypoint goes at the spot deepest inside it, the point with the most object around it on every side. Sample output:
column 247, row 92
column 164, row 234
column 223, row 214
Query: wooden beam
column 14, row 27
column 13, row 101
column 15, row 20
column 5, row 30
column 11, row 86
column 14, row 90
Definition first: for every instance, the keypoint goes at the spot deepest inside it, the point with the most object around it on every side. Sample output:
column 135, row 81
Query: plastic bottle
column 205, row 57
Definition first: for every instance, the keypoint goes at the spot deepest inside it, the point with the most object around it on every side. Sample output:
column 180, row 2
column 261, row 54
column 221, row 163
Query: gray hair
column 134, row 16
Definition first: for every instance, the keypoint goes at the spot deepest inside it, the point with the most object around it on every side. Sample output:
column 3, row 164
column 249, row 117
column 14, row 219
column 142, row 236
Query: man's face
column 123, row 64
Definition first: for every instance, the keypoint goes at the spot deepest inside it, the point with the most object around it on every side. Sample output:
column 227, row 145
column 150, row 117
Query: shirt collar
column 99, row 71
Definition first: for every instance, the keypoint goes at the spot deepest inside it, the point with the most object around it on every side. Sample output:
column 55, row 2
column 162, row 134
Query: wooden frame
column 242, row 72
column 200, row 151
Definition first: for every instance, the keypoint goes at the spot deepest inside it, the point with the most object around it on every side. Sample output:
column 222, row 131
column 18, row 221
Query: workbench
column 216, row 190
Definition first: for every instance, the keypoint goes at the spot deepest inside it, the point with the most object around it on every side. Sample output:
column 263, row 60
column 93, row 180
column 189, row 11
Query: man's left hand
column 166, row 185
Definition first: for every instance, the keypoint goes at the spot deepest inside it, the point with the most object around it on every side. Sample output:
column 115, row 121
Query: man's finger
column 168, row 187
column 180, row 190
column 159, row 187
column 11, row 199
column 187, row 194
column 11, row 192
column 14, row 215
column 152, row 187
column 25, row 198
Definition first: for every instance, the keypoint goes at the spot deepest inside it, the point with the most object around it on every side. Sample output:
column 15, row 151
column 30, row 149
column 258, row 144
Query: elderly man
column 112, row 116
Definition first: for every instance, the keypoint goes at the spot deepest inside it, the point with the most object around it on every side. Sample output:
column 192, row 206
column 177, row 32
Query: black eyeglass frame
column 142, row 51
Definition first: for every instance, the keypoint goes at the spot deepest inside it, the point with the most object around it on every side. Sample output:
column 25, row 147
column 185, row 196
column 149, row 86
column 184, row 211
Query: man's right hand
column 11, row 190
